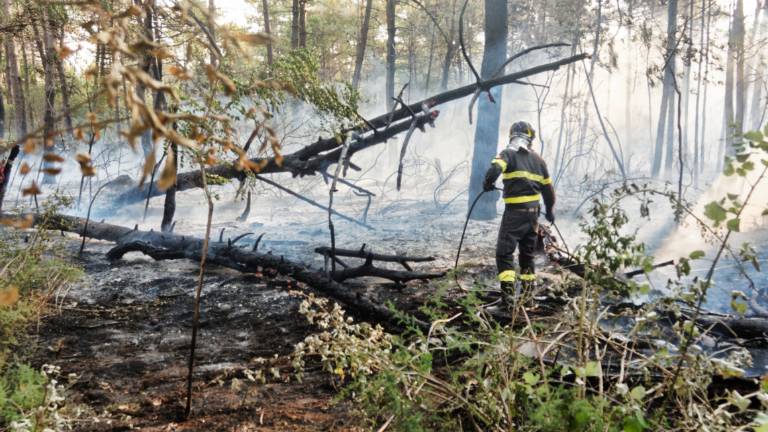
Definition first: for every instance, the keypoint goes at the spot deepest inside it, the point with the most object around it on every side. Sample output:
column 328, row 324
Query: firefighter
column 526, row 180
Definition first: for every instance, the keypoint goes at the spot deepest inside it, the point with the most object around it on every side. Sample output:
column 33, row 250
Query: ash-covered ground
column 124, row 329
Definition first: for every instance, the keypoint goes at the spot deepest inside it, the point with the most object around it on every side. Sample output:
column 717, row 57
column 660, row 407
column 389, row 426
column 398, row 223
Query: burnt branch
column 314, row 157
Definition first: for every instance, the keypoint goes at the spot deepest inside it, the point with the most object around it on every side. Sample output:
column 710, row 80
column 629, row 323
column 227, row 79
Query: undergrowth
column 32, row 272
column 597, row 362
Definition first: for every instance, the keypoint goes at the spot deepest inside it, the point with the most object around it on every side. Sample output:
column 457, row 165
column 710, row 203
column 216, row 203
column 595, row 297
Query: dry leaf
column 64, row 51
column 168, row 175
column 78, row 134
column 33, row 189
column 83, row 159
column 9, row 296
column 149, row 165
column 52, row 157
column 180, row 73
column 52, row 171
column 254, row 38
column 24, row 169
column 30, row 146
column 88, row 171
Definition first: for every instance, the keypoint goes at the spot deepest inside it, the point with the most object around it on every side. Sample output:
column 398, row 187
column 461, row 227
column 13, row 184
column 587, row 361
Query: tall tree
column 390, row 80
column 303, row 23
column 295, row 24
column 488, row 112
column 16, row 94
column 265, row 11
column 362, row 41
column 49, row 66
column 741, row 84
column 668, row 92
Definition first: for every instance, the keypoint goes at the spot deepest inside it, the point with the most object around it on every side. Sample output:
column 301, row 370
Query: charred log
column 160, row 245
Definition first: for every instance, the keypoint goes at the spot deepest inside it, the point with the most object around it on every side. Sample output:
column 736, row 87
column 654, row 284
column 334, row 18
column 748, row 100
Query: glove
column 487, row 187
column 550, row 216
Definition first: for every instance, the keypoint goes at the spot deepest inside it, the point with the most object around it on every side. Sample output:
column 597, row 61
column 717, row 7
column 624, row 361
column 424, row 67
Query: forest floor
column 124, row 329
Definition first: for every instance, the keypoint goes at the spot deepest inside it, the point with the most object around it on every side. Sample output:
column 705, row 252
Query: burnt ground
column 124, row 330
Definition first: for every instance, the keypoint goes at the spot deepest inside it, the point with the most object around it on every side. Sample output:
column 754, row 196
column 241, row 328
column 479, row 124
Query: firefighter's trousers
column 518, row 228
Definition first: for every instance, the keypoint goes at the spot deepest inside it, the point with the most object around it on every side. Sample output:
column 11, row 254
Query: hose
column 466, row 222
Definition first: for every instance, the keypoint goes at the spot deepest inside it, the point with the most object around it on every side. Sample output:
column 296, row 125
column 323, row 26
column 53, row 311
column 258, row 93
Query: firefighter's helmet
column 522, row 129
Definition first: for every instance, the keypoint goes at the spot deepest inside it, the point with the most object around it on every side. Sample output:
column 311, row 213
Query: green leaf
column 748, row 165
column 738, row 401
column 637, row 393
column 530, row 378
column 732, row 197
column 593, row 369
column 715, row 212
column 728, row 170
column 765, row 213
column 755, row 135
column 739, row 307
column 733, row 224
column 697, row 254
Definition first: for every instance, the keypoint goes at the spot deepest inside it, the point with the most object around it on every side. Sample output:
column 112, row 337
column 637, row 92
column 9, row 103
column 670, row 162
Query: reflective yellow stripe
column 522, row 199
column 507, row 276
column 501, row 163
column 527, row 175
column 527, row 277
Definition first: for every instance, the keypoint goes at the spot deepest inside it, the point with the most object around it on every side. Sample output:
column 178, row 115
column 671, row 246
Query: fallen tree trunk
column 307, row 161
column 316, row 157
column 160, row 245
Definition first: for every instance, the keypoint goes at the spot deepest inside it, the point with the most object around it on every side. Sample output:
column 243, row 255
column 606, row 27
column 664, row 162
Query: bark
column 49, row 66
column 211, row 27
column 302, row 23
column 145, row 64
column 295, row 24
column 169, row 206
column 741, row 85
column 696, row 126
column 65, row 105
column 265, row 11
column 16, row 95
column 315, row 157
column 450, row 49
column 705, row 96
column 667, row 97
column 362, row 41
column 390, row 61
column 729, row 111
column 488, row 112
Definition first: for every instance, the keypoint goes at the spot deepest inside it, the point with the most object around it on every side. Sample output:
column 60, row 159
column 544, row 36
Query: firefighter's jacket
column 526, row 178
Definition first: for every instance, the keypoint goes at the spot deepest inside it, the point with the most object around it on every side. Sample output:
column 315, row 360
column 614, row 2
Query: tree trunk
column 390, row 80
column 265, row 11
column 211, row 27
column 450, row 49
column 49, row 66
column 488, row 113
column 741, row 84
column 362, row 41
column 667, row 98
column 303, row 23
column 15, row 89
column 295, row 24
column 729, row 113
column 65, row 106
column 696, row 160
column 705, row 96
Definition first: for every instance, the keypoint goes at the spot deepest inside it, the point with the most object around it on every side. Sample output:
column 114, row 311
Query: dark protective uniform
column 526, row 181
